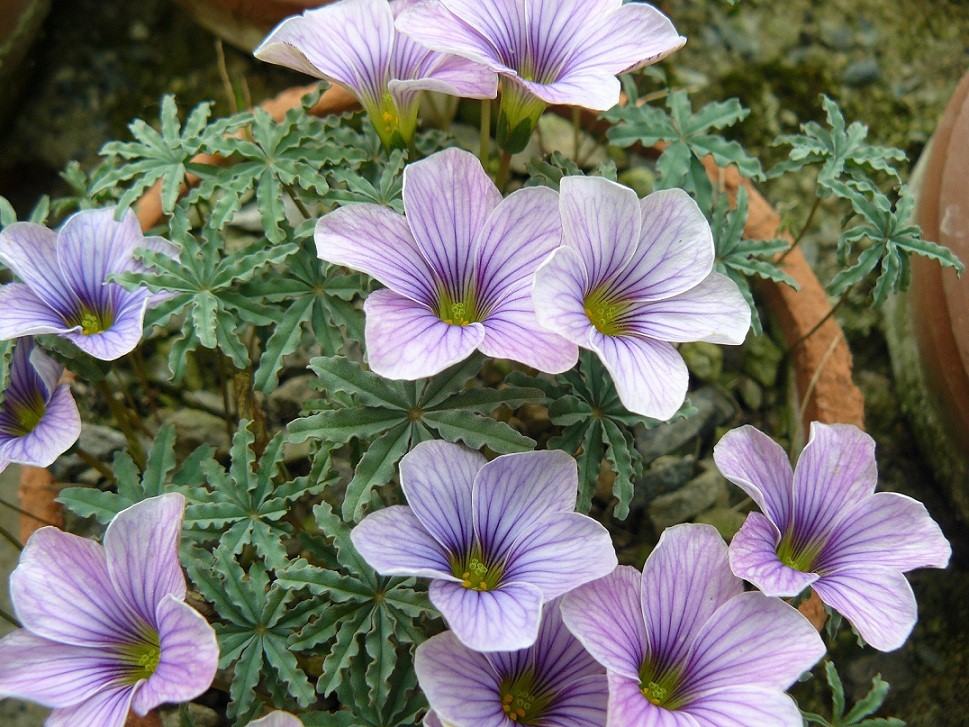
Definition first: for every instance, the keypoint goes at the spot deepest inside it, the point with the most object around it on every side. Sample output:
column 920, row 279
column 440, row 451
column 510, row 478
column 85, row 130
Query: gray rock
column 665, row 474
column 99, row 441
column 198, row 716
column 207, row 400
column 193, row 428
column 713, row 409
column 286, row 402
column 699, row 494
column 861, row 73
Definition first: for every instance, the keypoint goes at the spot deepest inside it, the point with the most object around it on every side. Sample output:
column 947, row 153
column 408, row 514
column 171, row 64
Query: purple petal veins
column 498, row 539
column 106, row 629
column 354, row 43
column 552, row 682
column 824, row 526
column 632, row 278
column 65, row 288
column 458, row 269
column 39, row 420
column 683, row 645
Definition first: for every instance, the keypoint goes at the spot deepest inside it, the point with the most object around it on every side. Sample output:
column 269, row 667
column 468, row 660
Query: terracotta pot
column 928, row 328
column 244, row 23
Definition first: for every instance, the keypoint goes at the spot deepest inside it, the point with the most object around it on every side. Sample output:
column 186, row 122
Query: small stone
column 705, row 360
column 762, row 360
column 713, row 409
column 639, row 178
column 665, row 474
column 193, row 428
column 99, row 441
column 198, row 716
column 207, row 400
column 726, row 520
column 285, row 403
column 861, row 73
column 751, row 393
column 699, row 494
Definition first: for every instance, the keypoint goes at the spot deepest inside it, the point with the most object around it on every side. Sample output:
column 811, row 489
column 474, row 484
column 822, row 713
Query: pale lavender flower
column 354, row 43
column 632, row 276
column 546, row 51
column 823, row 526
column 684, row 646
column 64, row 288
column 106, row 629
column 554, row 682
column 498, row 539
column 39, row 420
column 458, row 269
column 277, row 719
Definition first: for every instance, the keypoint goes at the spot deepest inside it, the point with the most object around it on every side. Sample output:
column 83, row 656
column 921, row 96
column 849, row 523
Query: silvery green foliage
column 741, row 259
column 387, row 418
column 858, row 715
column 304, row 624
column 596, row 426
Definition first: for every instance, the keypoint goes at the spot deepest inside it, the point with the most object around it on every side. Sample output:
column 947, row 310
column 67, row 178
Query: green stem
column 10, row 618
column 91, row 461
column 14, row 541
column 227, row 415
column 124, row 421
column 817, row 326
column 504, row 171
column 141, row 371
column 576, row 133
column 299, row 205
column 804, row 229
column 21, row 511
column 484, row 153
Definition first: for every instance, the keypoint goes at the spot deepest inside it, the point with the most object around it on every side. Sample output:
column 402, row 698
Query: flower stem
column 485, row 151
column 21, row 511
column 504, row 171
column 299, row 204
column 825, row 319
column 576, row 133
column 804, row 229
column 123, row 419
column 10, row 618
column 7, row 535
column 91, row 461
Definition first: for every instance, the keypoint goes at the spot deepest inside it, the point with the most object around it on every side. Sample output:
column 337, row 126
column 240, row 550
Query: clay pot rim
column 822, row 364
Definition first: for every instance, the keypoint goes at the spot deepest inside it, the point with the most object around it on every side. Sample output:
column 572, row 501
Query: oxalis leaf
column 392, row 416
column 256, row 621
column 687, row 137
column 367, row 618
column 859, row 715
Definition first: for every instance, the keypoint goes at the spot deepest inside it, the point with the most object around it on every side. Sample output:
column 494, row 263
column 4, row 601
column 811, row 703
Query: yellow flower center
column 606, row 315
column 522, row 703
column 92, row 322
column 141, row 659
column 475, row 572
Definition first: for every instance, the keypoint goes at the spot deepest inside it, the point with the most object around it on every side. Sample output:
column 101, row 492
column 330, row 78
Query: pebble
column 701, row 493
column 861, row 73
column 713, row 409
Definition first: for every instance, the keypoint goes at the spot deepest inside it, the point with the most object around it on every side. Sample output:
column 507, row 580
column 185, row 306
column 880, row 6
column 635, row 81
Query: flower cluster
column 544, row 627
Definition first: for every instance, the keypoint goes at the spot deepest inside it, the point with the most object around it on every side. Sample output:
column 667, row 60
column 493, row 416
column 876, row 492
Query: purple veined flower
column 546, row 51
column 277, row 719
column 107, row 629
column 498, row 539
column 39, row 420
column 684, row 646
column 354, row 43
column 64, row 288
column 823, row 526
column 458, row 269
column 633, row 276
column 555, row 682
